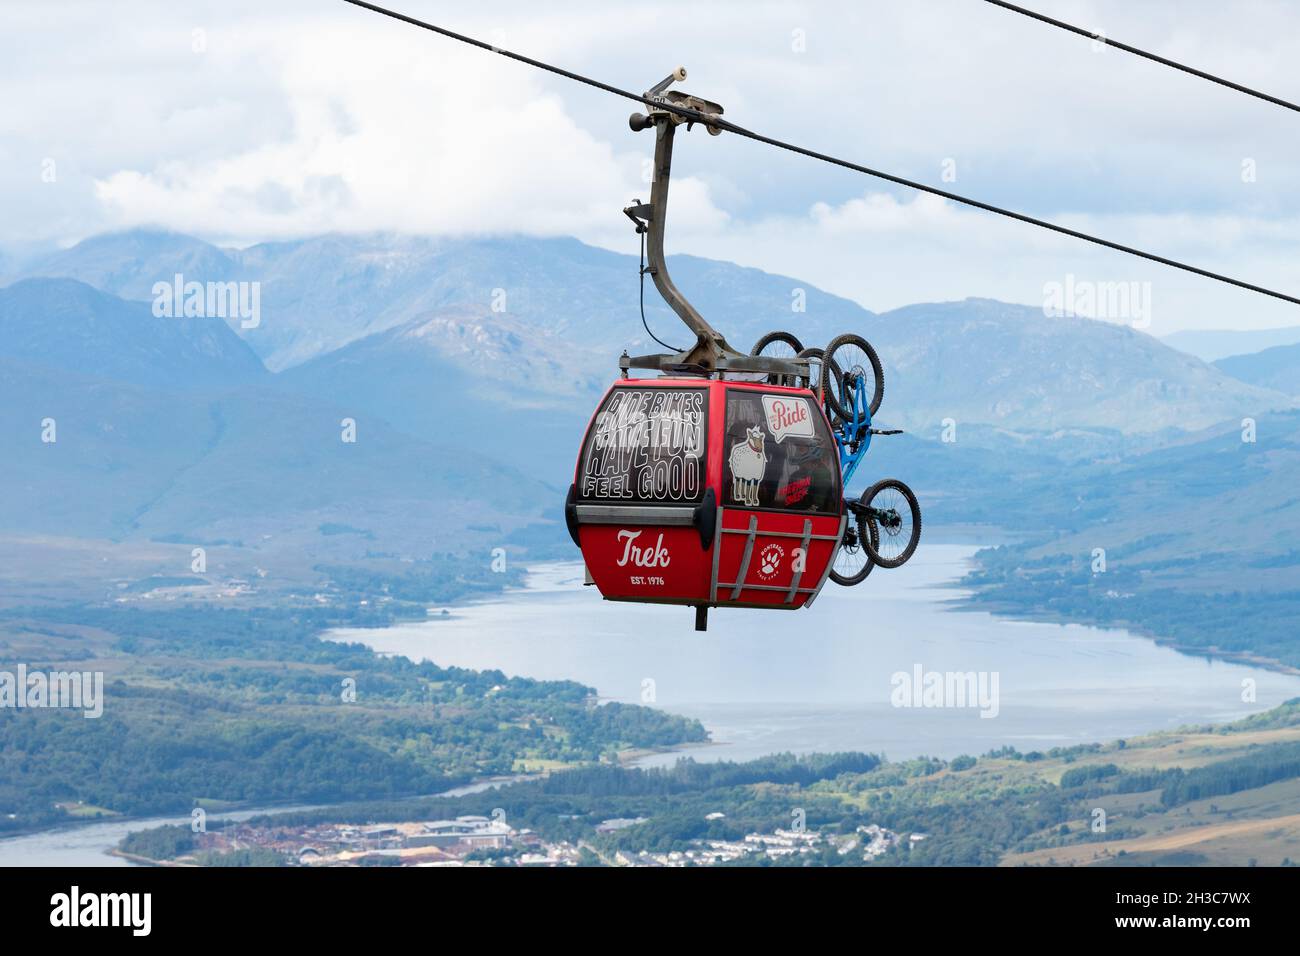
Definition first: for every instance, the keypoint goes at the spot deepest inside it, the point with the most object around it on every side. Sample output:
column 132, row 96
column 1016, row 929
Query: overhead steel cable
column 720, row 123
column 1146, row 54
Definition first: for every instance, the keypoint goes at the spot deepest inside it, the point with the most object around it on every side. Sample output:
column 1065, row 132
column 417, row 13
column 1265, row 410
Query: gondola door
column 780, row 516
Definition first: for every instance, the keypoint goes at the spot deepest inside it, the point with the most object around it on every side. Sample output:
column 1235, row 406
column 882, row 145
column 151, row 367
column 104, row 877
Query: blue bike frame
column 856, row 432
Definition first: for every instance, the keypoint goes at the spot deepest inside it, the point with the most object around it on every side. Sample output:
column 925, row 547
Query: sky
column 245, row 121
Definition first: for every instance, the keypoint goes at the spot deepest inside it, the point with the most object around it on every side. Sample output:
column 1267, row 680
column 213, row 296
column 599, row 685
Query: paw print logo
column 769, row 561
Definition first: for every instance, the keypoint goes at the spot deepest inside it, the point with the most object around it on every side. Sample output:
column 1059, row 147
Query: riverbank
column 822, row 680
column 1037, row 614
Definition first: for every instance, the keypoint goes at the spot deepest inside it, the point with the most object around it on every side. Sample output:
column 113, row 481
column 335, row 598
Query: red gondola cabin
column 708, row 493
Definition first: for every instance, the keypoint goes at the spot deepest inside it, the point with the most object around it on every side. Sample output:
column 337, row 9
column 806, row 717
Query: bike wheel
column 856, row 361
column 897, row 515
column 778, row 345
column 852, row 562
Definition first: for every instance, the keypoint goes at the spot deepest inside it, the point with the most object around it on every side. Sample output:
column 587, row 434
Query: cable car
column 720, row 483
column 708, row 493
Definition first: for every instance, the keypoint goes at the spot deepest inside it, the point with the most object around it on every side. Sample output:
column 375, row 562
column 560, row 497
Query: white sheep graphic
column 748, row 462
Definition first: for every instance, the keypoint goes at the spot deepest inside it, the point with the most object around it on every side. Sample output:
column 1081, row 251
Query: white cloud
column 398, row 140
column 300, row 118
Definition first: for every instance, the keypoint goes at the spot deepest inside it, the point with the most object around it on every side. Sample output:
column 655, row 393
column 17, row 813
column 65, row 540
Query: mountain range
column 121, row 424
column 987, row 362
column 470, row 367
column 551, row 315
column 1276, row 368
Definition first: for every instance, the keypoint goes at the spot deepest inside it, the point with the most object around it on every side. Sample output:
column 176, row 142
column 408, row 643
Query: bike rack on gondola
column 675, row 498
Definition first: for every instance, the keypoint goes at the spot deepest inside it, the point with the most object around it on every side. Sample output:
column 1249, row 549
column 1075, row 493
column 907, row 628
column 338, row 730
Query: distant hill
column 466, row 378
column 172, row 426
column 1213, row 344
column 127, row 264
column 1210, row 497
column 1277, row 368
column 134, row 461
column 981, row 361
column 66, row 324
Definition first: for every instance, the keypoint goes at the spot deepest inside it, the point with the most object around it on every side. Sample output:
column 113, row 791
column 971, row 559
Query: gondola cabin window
column 778, row 453
column 646, row 446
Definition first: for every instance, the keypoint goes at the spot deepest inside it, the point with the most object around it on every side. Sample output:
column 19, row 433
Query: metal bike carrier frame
column 711, row 354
